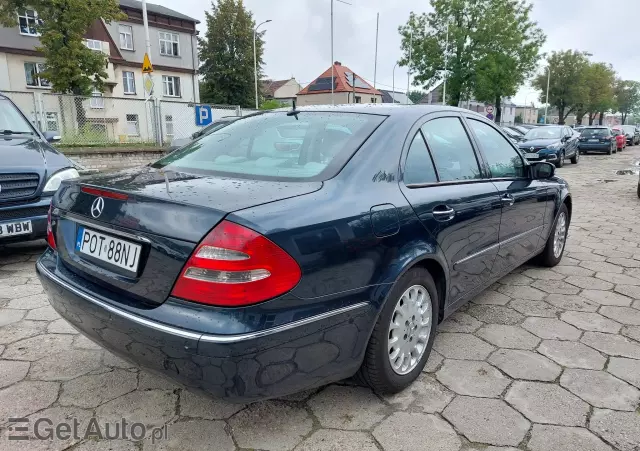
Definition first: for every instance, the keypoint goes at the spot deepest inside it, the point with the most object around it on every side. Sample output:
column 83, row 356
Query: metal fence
column 104, row 121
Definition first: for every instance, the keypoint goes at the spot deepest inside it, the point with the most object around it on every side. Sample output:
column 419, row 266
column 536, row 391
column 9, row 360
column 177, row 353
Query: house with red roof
column 348, row 87
column 282, row 90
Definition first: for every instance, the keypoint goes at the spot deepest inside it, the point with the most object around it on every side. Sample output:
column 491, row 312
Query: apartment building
column 113, row 111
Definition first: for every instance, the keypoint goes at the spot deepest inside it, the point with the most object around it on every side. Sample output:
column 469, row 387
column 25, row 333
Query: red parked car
column 621, row 139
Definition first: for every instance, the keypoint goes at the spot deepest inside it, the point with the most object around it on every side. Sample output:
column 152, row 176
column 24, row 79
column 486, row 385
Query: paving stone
column 36, row 348
column 625, row 315
column 65, row 366
column 626, row 369
column 555, row 287
column 152, row 408
column 24, row 398
column 631, row 332
column 495, row 314
column 551, row 328
column 11, row 372
column 522, row 292
column 462, row 346
column 606, row 297
column 572, row 302
column 42, row 314
column 621, row 429
column 194, row 435
column 94, row 389
column 461, row 322
column 20, row 330
column 151, row 381
column 413, row 431
column 271, row 425
column 572, row 354
column 614, row 345
column 534, row 308
column 591, row 321
column 22, row 296
column 542, row 274
column 585, row 257
column 61, row 326
column 625, row 262
column 433, row 362
column 109, row 359
column 516, row 279
column 82, row 342
column 486, row 420
column 573, row 271
column 589, row 283
column 472, row 378
column 600, row 389
column 556, row 438
column 521, row 364
column 19, row 266
column 633, row 291
column 425, row 394
column 618, row 278
column 10, row 316
column 601, row 267
column 491, row 297
column 335, row 440
column 505, row 336
column 106, row 445
column 636, row 305
column 613, row 254
column 350, row 408
column 200, row 406
column 547, row 403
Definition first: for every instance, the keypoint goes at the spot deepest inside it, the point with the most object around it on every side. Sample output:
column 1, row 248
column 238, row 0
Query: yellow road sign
column 148, row 84
column 147, row 68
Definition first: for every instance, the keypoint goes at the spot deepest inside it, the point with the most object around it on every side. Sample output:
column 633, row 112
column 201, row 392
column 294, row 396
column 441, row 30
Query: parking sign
column 203, row 115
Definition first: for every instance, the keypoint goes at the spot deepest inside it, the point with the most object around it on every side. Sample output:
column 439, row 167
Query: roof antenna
column 293, row 111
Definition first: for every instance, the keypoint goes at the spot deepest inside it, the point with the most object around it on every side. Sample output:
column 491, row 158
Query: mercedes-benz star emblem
column 97, row 206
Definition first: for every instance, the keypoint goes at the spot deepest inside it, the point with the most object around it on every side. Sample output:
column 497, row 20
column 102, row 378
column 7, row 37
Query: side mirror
column 541, row 170
column 565, row 139
column 52, row 137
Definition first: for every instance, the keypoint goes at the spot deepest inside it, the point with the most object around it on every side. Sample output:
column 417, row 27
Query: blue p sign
column 203, row 115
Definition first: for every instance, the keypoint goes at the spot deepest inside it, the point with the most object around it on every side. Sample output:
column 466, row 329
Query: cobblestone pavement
column 546, row 360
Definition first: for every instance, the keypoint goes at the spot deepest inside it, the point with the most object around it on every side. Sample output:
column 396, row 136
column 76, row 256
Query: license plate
column 115, row 251
column 594, row 140
column 15, row 228
column 531, row 156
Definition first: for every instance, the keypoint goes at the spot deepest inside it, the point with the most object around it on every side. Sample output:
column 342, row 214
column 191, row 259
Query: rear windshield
column 594, row 132
column 629, row 128
column 544, row 133
column 305, row 146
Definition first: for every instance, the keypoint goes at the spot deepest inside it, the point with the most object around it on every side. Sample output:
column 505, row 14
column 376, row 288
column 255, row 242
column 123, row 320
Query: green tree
column 416, row 96
column 272, row 104
column 518, row 119
column 627, row 98
column 599, row 81
column 481, row 34
column 567, row 89
column 226, row 53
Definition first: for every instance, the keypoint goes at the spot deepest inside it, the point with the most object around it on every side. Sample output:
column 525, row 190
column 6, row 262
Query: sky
column 298, row 40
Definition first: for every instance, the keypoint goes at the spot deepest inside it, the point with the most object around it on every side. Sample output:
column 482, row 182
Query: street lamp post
column 546, row 103
column 393, row 88
column 255, row 58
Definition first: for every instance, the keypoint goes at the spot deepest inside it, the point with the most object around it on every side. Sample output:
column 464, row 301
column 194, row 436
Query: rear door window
column 502, row 158
column 451, row 149
column 305, row 146
column 419, row 168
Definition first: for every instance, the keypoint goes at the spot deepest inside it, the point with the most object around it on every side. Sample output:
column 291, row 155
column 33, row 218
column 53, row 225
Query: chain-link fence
column 104, row 121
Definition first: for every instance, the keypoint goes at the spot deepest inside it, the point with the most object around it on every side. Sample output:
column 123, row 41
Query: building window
column 168, row 123
column 28, row 21
column 52, row 122
column 374, row 100
column 93, row 44
column 171, row 86
column 126, row 37
column 358, row 99
column 133, row 125
column 32, row 71
column 96, row 101
column 129, row 82
column 169, row 44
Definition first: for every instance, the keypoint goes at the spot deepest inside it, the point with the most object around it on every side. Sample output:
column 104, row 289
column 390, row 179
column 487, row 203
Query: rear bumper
column 270, row 363
column 599, row 147
column 36, row 212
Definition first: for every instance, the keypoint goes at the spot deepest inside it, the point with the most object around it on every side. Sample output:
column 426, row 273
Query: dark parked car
column 632, row 134
column 597, row 139
column 515, row 136
column 551, row 143
column 30, row 172
column 249, row 267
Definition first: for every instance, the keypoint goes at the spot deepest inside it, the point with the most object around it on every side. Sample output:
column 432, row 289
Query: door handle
column 443, row 213
column 507, row 200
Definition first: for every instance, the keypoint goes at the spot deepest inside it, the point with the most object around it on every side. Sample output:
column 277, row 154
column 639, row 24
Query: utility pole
column 145, row 22
column 409, row 66
column 255, row 59
column 546, row 103
column 375, row 65
column 393, row 88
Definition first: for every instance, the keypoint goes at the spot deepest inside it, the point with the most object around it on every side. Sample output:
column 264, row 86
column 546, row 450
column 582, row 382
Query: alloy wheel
column 560, row 235
column 409, row 329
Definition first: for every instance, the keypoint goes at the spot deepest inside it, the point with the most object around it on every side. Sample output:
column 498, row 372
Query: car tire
column 560, row 162
column 638, row 189
column 551, row 255
column 575, row 158
column 609, row 152
column 377, row 370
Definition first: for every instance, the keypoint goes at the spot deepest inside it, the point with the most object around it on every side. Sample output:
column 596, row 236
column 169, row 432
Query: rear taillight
column 235, row 266
column 50, row 238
